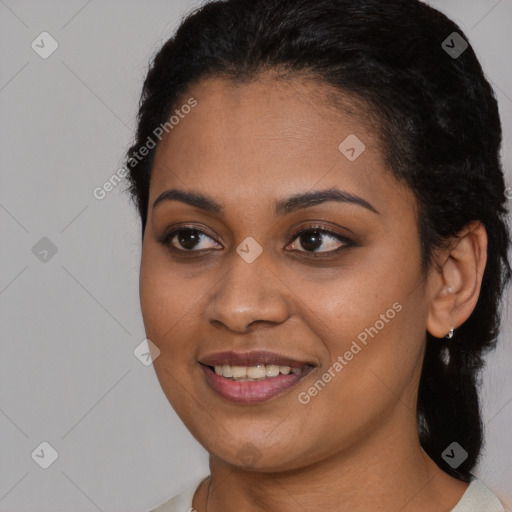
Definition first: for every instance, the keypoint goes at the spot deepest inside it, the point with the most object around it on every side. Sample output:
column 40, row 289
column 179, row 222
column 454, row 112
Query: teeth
column 252, row 373
column 256, row 372
column 239, row 372
column 272, row 370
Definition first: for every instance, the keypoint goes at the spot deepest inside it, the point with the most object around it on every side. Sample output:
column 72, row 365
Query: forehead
column 268, row 136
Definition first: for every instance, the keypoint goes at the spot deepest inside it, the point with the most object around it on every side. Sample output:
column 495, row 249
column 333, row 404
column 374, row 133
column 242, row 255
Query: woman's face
column 346, row 308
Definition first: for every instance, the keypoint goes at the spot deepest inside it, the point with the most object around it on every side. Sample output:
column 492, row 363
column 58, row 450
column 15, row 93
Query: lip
column 252, row 358
column 249, row 392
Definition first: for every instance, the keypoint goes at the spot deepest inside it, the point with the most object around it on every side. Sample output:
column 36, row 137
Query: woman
column 324, row 252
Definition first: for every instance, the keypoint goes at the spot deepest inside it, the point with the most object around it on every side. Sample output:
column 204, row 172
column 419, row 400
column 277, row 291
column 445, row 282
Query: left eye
column 313, row 238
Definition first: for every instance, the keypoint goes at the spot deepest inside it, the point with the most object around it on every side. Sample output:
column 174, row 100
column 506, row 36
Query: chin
column 254, row 457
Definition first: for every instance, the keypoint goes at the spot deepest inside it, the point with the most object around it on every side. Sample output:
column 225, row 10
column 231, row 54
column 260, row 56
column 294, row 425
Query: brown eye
column 187, row 240
column 312, row 239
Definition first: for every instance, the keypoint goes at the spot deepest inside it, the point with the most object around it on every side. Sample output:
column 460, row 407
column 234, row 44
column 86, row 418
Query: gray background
column 69, row 325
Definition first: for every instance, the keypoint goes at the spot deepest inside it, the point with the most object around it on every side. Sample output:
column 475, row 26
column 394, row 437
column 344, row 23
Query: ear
column 455, row 280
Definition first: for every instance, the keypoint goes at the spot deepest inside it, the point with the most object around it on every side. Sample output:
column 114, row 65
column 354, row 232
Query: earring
column 449, row 336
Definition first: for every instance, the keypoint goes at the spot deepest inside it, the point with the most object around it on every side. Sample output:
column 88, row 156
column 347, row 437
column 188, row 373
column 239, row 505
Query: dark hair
column 438, row 120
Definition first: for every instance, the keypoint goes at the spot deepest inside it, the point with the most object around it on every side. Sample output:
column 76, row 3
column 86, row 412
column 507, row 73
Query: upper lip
column 253, row 358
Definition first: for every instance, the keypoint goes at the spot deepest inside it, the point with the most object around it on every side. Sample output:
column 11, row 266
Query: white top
column 477, row 498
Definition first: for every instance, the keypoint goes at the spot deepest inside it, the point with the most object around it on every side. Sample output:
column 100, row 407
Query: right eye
column 186, row 240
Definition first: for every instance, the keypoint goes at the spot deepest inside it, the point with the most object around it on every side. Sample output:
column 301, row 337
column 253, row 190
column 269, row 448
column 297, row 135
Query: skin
column 355, row 445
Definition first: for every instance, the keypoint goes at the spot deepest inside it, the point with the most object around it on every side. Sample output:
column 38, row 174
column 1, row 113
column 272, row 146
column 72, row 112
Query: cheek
column 372, row 369
column 372, row 326
column 344, row 306
column 351, row 296
column 166, row 297
column 167, row 301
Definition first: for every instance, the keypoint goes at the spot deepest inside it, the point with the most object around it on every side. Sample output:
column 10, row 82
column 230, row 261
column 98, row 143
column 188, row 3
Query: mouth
column 254, row 373
column 252, row 376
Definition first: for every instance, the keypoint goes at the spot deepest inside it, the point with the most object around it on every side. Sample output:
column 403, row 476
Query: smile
column 252, row 373
column 253, row 384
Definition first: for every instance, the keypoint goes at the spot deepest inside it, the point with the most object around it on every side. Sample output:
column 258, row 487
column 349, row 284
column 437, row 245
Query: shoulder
column 183, row 501
column 478, row 498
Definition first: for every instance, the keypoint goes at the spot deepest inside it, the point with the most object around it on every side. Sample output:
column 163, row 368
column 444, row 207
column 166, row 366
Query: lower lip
column 247, row 392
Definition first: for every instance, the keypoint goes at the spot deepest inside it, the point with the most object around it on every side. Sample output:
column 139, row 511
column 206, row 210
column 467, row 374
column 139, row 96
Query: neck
column 386, row 471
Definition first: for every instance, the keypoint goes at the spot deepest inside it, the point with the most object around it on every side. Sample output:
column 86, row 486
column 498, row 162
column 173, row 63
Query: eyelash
column 167, row 238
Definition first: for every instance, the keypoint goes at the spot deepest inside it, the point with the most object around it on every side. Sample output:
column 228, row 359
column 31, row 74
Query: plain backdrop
column 69, row 307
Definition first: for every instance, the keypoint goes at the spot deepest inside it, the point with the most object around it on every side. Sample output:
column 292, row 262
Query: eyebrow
column 283, row 207
column 313, row 198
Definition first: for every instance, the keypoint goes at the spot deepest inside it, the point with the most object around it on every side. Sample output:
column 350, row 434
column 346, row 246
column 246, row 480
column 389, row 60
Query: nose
column 249, row 293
